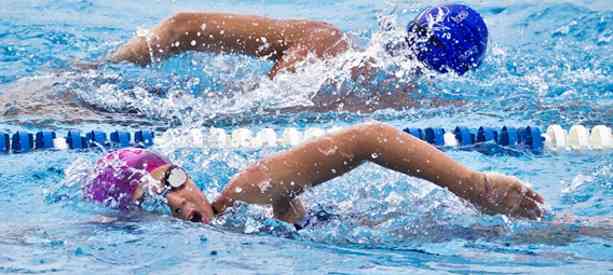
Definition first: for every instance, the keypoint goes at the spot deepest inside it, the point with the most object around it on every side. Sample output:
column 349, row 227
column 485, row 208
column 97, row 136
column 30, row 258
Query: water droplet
column 193, row 43
column 238, row 189
column 374, row 155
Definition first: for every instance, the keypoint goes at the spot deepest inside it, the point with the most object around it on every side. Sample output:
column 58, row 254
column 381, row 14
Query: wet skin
column 186, row 202
column 279, row 179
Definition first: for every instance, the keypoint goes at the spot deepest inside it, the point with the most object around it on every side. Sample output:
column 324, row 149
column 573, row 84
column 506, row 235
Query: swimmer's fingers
column 532, row 203
column 535, row 196
column 513, row 198
column 524, row 202
column 531, row 209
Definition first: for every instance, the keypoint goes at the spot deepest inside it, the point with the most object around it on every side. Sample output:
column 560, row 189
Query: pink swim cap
column 118, row 175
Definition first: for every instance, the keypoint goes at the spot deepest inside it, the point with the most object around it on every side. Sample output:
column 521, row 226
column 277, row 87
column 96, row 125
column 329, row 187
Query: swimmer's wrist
column 470, row 187
column 221, row 203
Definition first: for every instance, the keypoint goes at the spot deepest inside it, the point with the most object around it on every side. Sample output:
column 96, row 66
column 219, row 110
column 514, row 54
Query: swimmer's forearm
column 392, row 148
column 207, row 32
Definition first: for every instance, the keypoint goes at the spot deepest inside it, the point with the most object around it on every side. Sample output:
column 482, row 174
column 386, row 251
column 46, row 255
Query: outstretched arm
column 278, row 179
column 286, row 42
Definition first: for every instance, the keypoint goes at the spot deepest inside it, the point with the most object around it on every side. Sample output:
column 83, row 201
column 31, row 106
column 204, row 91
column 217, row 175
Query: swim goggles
column 174, row 178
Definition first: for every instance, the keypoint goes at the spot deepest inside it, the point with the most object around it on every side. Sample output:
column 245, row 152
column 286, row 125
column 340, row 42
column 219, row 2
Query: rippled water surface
column 548, row 62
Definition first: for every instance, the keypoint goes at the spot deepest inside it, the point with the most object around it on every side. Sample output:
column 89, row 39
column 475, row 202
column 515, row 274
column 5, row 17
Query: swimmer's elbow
column 373, row 128
column 179, row 22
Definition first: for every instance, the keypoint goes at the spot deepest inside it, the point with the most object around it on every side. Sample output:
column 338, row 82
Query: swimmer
column 445, row 38
column 127, row 177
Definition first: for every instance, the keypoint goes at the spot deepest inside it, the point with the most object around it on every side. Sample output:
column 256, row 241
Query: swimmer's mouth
column 197, row 217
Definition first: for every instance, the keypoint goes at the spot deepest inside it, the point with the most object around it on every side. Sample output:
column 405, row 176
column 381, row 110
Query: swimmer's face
column 189, row 203
column 186, row 202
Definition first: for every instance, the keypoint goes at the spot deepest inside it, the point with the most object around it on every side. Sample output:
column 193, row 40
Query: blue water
column 547, row 63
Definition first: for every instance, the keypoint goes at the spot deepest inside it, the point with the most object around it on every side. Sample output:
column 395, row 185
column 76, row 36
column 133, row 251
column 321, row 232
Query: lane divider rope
column 484, row 139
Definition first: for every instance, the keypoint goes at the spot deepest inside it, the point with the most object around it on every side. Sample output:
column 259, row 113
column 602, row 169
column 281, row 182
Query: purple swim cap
column 118, row 175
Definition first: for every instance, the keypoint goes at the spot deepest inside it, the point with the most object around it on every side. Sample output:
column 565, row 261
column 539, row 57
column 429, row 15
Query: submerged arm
column 281, row 177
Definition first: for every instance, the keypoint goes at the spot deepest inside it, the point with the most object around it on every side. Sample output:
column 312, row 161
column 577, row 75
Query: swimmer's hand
column 500, row 194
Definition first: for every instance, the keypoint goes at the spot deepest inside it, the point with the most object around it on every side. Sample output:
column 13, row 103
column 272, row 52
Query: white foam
column 197, row 138
column 217, row 138
column 241, row 137
column 266, row 137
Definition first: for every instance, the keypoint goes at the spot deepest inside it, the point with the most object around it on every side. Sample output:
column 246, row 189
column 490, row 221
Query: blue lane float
column 435, row 136
column 485, row 134
column 464, row 136
column 486, row 139
column 120, row 139
column 144, row 138
column 22, row 142
column 416, row 132
column 44, row 140
column 508, row 136
column 74, row 140
column 5, row 143
column 96, row 138
column 535, row 140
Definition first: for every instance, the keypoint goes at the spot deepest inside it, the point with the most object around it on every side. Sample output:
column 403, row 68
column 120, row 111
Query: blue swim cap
column 448, row 37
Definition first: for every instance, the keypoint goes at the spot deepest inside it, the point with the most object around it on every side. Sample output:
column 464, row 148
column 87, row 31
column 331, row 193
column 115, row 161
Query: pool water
column 548, row 62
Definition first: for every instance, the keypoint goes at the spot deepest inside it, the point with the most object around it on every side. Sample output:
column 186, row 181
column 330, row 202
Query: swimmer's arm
column 286, row 175
column 286, row 42
column 208, row 32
